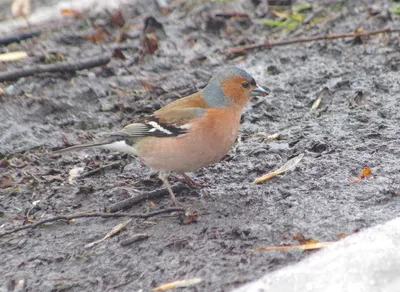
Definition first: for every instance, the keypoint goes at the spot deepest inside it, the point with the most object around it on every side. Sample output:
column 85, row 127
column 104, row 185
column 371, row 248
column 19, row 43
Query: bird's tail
column 80, row 147
column 109, row 143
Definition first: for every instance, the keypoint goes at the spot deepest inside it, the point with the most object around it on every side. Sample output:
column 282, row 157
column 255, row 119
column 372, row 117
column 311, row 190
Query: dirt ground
column 356, row 124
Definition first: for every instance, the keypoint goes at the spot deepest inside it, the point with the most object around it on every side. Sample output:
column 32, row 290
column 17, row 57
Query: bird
column 189, row 133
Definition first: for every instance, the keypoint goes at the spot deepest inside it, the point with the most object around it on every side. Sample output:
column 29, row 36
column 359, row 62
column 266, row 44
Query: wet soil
column 355, row 125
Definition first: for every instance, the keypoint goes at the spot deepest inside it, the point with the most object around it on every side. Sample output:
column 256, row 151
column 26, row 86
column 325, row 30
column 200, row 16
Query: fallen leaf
column 178, row 284
column 291, row 164
column 74, row 173
column 21, row 8
column 117, row 19
column 356, row 98
column 316, row 103
column 149, row 44
column 151, row 203
column 231, row 14
column 365, row 172
column 99, row 36
column 117, row 229
column 71, row 12
column 117, row 53
column 6, row 181
column 358, row 30
column 122, row 36
column 50, row 178
column 281, row 14
column 4, row 163
column 189, row 218
column 17, row 285
column 13, row 56
column 275, row 136
column 310, row 246
column 303, row 240
column 163, row 6
column 18, row 163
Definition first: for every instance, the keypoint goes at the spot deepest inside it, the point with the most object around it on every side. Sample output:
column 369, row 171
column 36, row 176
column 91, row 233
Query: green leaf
column 337, row 6
column 396, row 10
column 302, row 7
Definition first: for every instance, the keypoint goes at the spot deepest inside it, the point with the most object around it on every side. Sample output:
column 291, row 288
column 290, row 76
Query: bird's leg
column 163, row 175
column 192, row 182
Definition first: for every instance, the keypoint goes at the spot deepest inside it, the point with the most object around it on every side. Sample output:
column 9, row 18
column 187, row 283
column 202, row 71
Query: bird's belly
column 186, row 153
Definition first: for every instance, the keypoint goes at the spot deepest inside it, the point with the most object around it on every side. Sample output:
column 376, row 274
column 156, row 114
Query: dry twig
column 309, row 39
column 99, row 169
column 62, row 67
column 17, row 37
column 309, row 246
column 90, row 215
column 128, row 203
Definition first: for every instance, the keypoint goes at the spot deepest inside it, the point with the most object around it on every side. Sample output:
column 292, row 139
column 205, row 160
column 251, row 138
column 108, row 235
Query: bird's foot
column 190, row 182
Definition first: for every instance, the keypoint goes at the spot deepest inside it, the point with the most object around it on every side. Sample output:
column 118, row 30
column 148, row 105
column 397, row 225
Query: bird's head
column 231, row 86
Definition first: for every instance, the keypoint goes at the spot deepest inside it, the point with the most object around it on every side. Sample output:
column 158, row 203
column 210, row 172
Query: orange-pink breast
column 208, row 140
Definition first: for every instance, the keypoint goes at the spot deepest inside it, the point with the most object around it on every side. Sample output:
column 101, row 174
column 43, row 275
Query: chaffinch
column 189, row 133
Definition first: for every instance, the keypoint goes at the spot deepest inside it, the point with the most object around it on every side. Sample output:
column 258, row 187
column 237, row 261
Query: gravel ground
column 356, row 124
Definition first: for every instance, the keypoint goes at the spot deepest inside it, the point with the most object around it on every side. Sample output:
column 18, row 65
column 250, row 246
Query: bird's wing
column 192, row 101
column 169, row 123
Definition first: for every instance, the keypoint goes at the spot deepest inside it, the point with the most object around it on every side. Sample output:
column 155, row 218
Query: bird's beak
column 259, row 91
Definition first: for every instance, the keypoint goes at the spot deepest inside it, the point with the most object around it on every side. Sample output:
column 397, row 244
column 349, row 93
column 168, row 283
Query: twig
column 17, row 37
column 309, row 39
column 96, row 170
column 89, row 215
column 57, row 67
column 134, row 238
column 128, row 203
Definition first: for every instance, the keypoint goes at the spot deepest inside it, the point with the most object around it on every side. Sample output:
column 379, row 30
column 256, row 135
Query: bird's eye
column 245, row 84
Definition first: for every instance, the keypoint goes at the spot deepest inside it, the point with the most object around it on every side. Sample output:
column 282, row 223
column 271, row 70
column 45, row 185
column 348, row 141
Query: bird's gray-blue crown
column 230, row 72
column 213, row 93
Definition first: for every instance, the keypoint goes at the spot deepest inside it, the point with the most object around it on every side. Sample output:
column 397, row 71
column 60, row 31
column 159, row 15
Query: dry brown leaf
column 17, row 163
column 6, row 181
column 163, row 6
column 178, row 284
column 71, row 12
column 359, row 30
column 4, row 163
column 303, row 240
column 310, row 246
column 117, row 19
column 151, row 203
column 189, row 218
column 117, row 53
column 99, row 36
column 290, row 164
column 366, row 172
column 149, row 44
